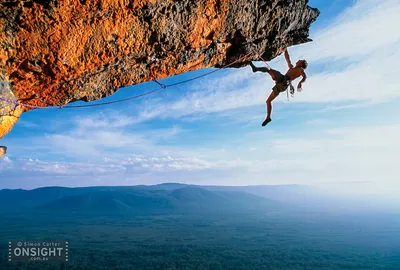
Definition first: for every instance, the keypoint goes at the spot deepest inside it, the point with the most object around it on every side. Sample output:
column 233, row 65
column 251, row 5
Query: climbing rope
column 265, row 62
column 160, row 84
column 162, row 87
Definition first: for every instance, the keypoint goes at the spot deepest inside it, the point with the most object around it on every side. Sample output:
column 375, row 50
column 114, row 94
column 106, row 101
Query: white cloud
column 91, row 143
column 368, row 27
column 6, row 160
column 27, row 124
column 371, row 81
column 40, row 167
column 336, row 155
column 106, row 119
column 213, row 97
column 5, row 163
column 316, row 122
column 97, row 135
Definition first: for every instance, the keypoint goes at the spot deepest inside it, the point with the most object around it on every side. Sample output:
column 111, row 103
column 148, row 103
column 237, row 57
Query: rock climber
column 282, row 82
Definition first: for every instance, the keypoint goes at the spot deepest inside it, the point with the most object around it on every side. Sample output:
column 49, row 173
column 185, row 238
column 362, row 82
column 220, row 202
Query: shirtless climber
column 282, row 82
column 3, row 151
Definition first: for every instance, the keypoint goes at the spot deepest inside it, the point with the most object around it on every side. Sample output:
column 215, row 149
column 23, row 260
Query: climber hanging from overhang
column 3, row 151
column 282, row 82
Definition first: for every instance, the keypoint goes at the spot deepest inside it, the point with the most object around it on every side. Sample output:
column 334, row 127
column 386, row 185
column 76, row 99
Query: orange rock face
column 58, row 51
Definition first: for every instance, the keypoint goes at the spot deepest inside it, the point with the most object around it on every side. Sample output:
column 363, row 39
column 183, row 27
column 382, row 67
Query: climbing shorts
column 281, row 84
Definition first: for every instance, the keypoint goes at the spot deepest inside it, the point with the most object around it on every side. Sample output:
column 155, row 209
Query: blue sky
column 342, row 130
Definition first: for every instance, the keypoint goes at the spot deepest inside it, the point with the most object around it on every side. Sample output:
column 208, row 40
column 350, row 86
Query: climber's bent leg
column 275, row 75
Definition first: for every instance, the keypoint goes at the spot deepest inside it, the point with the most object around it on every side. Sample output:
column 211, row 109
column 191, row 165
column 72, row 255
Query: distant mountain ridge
column 156, row 199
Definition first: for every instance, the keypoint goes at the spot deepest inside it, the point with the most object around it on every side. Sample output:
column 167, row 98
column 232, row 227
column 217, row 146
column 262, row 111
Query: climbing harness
column 291, row 89
column 162, row 87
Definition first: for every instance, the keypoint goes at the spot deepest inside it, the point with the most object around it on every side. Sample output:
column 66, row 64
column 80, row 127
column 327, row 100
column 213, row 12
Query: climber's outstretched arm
column 302, row 80
column 287, row 57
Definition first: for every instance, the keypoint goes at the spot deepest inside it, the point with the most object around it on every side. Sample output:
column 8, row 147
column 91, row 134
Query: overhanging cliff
column 56, row 52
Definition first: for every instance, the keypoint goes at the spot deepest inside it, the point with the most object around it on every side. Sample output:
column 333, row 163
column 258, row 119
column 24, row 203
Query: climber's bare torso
column 295, row 72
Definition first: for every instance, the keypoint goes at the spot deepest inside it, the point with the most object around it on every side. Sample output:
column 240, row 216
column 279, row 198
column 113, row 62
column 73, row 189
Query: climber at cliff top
column 3, row 151
column 282, row 82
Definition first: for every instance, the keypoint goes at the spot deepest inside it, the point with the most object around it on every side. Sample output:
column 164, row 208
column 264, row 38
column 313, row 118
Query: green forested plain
column 211, row 241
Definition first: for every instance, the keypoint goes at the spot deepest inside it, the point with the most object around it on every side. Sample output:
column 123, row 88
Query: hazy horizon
column 311, row 197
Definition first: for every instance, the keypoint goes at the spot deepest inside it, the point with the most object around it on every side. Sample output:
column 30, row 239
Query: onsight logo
column 39, row 251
